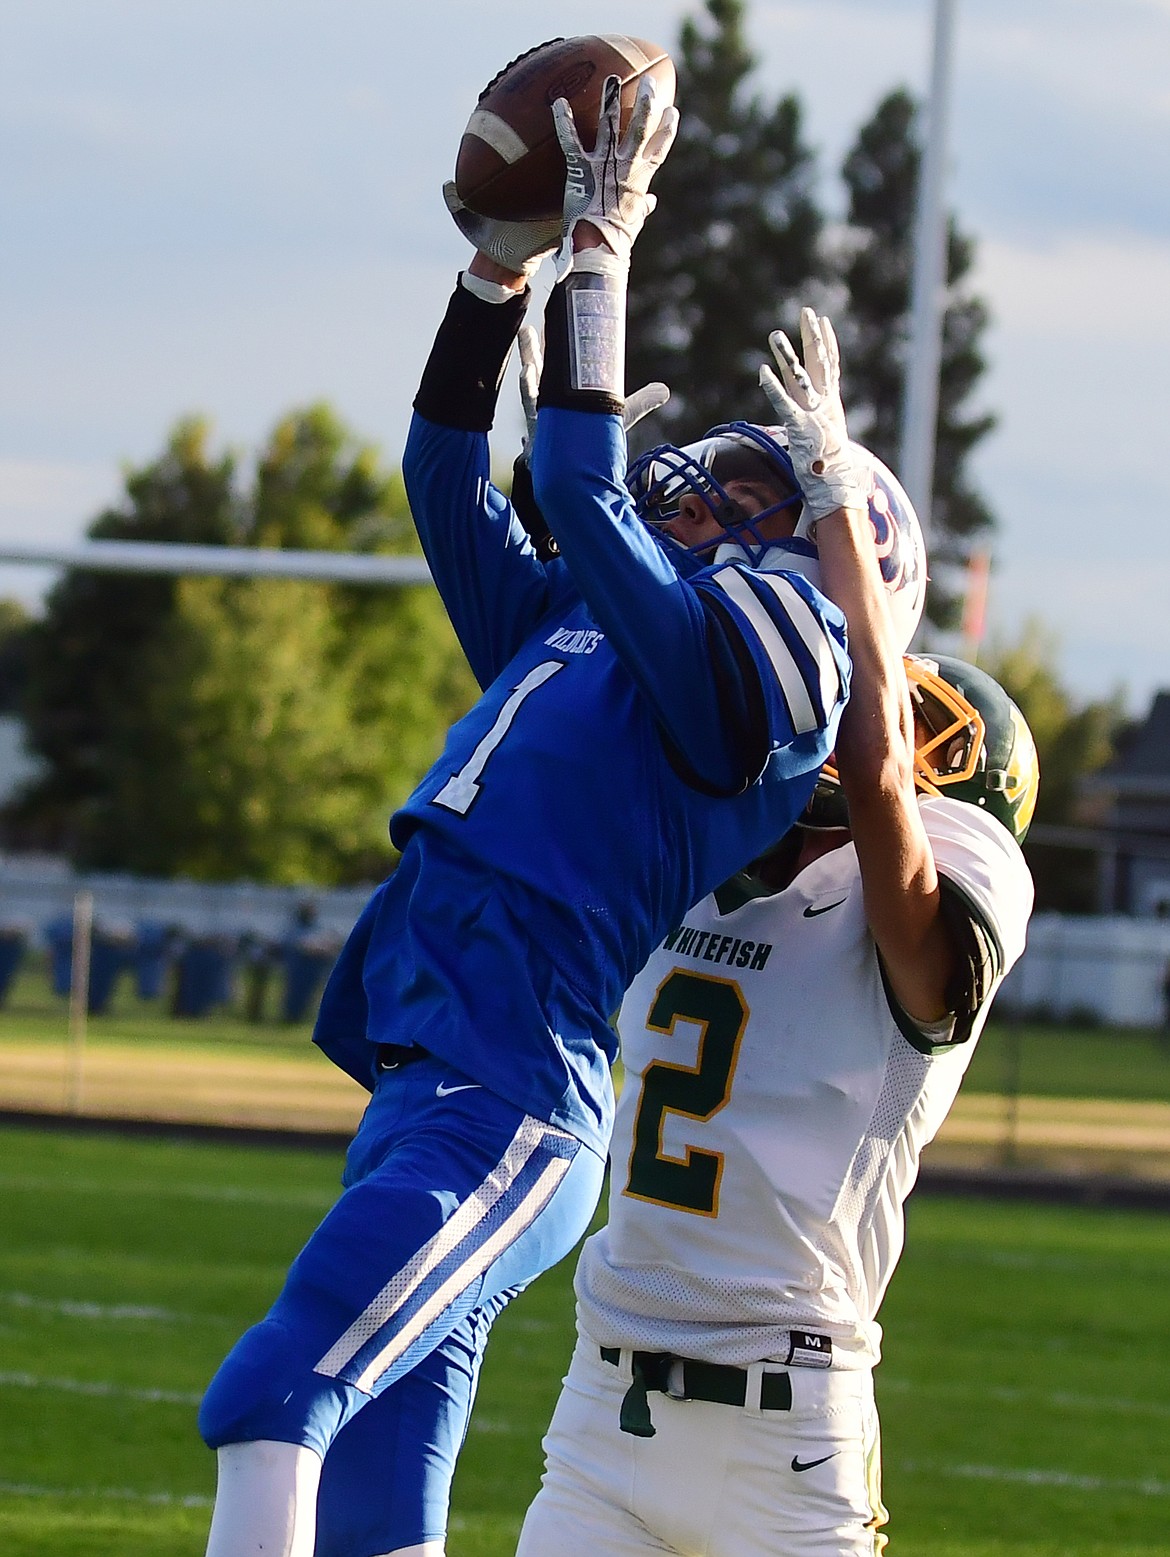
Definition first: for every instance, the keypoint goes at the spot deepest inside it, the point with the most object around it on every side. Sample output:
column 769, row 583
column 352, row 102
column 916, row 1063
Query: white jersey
column 774, row 1111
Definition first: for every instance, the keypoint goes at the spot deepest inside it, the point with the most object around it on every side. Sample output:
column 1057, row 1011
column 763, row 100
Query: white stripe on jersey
column 792, row 684
column 420, row 1268
column 812, row 634
column 484, row 1255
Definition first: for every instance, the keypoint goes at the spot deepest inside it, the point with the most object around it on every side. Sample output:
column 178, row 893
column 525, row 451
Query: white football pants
column 715, row 1480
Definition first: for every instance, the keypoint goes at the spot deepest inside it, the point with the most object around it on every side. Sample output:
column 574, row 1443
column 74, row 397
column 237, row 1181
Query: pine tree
column 875, row 262
column 733, row 247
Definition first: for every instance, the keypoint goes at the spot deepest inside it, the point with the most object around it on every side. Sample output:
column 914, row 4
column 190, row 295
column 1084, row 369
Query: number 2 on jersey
column 699, row 1091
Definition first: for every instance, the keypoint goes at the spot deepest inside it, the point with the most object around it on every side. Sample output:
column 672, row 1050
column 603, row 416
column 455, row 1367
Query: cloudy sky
column 231, row 206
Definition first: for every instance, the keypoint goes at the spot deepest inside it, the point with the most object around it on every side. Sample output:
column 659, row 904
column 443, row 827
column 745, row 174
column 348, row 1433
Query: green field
column 1025, row 1392
column 1037, row 1060
column 1056, row 1061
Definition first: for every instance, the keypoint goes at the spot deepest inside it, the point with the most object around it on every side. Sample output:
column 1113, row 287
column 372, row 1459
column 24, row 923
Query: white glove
column 531, row 367
column 518, row 246
column 649, row 398
column 608, row 185
column 808, row 403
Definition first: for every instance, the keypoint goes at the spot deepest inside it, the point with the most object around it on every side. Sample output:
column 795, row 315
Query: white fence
column 1112, row 969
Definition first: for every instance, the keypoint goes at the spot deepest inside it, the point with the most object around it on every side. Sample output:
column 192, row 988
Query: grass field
column 1057, row 1061
column 1025, row 1392
column 1036, row 1060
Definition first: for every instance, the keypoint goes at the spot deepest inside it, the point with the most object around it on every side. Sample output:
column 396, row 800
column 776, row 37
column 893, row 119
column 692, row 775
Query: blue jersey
column 641, row 736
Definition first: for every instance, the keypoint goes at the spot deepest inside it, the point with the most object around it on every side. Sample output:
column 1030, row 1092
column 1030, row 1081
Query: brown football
column 510, row 165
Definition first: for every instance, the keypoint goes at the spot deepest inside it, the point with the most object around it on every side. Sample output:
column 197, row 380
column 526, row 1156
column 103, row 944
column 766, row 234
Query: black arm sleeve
column 977, row 966
column 461, row 380
column 977, row 963
column 528, row 512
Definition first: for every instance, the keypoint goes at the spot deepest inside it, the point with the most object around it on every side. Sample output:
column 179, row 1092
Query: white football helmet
column 659, row 479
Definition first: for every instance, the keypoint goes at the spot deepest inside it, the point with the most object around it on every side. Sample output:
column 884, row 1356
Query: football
column 510, row 165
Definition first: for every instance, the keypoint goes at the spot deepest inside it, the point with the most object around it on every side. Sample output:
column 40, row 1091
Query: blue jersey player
column 647, row 726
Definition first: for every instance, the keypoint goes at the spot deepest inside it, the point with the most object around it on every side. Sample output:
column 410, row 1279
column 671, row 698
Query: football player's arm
column 490, row 580
column 705, row 660
column 875, row 741
column 875, row 758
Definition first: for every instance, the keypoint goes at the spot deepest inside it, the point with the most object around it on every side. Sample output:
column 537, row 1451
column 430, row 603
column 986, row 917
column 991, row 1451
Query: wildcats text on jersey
column 575, row 640
column 706, row 946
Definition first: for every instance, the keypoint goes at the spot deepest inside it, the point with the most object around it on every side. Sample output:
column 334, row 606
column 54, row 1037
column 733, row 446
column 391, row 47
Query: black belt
column 700, row 1381
column 393, row 1056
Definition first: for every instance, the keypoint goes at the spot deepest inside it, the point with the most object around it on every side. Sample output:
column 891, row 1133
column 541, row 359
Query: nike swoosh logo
column 803, row 1465
column 811, row 913
column 469, row 1086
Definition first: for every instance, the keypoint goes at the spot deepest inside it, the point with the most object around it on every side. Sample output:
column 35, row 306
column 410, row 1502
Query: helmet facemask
column 737, row 451
column 949, row 734
column 971, row 741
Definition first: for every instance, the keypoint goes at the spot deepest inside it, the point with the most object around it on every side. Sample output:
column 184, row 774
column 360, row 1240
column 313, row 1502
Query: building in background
column 1128, row 802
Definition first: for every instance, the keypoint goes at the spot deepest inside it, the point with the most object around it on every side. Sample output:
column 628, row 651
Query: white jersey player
column 788, row 1055
column 775, row 1107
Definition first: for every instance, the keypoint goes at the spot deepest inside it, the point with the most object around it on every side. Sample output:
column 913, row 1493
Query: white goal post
column 327, row 567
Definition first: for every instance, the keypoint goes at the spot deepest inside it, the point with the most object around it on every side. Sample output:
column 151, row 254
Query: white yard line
column 1034, row 1476
column 1024, row 1260
column 219, row 1194
column 102, row 1387
column 72, row 1308
column 1051, row 1400
column 19, row 1489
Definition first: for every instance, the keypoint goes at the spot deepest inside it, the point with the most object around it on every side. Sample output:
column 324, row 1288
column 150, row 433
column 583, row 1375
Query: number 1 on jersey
column 699, row 1091
column 461, row 789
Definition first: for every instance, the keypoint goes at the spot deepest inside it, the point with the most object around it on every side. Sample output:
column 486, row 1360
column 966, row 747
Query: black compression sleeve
column 528, row 512
column 461, row 380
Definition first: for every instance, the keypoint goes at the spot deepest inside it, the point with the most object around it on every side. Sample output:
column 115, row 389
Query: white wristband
column 601, row 261
column 489, row 291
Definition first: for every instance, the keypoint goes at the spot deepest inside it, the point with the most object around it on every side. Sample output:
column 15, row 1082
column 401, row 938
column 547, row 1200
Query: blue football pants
column 454, row 1201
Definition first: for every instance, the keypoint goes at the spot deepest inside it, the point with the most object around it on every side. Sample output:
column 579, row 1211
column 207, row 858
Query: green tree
column 247, row 727
column 874, row 260
column 15, row 625
column 1073, row 740
column 732, row 251
column 86, row 669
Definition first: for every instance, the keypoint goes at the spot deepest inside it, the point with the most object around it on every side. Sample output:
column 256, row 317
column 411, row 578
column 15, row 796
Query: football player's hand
column 531, row 367
column 517, row 246
column 649, row 398
column 609, row 186
column 807, row 399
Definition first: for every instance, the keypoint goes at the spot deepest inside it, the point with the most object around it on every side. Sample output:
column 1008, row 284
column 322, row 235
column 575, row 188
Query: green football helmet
column 971, row 743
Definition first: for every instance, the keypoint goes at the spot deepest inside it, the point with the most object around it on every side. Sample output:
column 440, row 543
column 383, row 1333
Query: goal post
column 328, row 567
